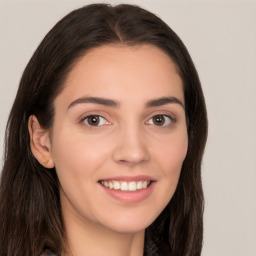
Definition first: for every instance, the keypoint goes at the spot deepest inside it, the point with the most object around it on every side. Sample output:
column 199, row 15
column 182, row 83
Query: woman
column 104, row 141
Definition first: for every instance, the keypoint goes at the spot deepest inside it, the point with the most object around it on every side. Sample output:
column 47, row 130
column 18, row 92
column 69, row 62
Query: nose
column 131, row 147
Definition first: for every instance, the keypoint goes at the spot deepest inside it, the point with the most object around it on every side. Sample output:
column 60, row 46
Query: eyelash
column 166, row 118
column 99, row 119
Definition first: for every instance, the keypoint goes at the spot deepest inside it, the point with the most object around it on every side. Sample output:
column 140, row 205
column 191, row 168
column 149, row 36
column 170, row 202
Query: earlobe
column 40, row 143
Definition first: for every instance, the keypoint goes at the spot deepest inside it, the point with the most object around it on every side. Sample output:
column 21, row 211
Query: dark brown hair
column 30, row 212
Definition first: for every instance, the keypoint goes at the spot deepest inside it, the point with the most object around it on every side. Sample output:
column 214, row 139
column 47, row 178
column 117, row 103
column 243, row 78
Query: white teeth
column 125, row 186
column 116, row 185
column 105, row 183
column 139, row 185
column 110, row 185
column 132, row 186
column 144, row 184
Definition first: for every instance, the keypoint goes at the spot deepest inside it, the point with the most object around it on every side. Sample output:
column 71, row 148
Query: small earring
column 45, row 162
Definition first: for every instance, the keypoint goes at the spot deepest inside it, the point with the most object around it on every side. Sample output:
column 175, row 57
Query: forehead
column 119, row 71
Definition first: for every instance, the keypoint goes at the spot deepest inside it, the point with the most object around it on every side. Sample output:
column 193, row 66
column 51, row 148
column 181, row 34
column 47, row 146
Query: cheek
column 171, row 154
column 77, row 158
column 78, row 161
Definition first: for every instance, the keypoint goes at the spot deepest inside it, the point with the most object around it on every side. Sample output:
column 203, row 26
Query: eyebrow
column 95, row 100
column 163, row 101
column 112, row 103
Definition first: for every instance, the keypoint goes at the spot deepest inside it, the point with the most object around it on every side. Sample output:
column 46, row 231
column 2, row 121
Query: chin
column 131, row 225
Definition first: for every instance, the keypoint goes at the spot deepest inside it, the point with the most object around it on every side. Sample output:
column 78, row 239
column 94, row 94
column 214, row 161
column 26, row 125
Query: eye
column 161, row 120
column 95, row 120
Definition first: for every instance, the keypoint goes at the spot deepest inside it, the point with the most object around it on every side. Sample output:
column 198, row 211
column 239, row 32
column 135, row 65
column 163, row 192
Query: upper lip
column 129, row 178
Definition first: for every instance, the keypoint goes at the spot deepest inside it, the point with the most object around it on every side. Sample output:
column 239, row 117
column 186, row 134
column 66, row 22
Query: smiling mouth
column 126, row 185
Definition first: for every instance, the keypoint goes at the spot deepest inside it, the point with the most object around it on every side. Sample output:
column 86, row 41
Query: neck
column 93, row 239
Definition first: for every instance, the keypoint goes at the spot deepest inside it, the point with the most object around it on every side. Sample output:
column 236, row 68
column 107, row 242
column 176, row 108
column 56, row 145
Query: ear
column 40, row 143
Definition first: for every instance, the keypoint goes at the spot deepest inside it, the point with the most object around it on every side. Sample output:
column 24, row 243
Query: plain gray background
column 221, row 38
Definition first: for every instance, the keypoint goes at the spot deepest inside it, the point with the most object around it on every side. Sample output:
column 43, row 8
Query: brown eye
column 160, row 120
column 95, row 120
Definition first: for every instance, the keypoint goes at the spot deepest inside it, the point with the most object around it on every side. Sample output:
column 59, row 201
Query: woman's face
column 119, row 137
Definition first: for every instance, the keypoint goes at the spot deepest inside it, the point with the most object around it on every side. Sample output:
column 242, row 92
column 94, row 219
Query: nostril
column 130, row 156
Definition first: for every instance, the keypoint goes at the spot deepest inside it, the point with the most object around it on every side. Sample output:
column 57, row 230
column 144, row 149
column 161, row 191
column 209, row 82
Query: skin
column 128, row 142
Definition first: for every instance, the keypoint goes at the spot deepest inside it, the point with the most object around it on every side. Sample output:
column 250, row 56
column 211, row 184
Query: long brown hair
column 30, row 212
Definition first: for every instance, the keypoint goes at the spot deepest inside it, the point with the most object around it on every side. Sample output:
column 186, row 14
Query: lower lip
column 130, row 196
